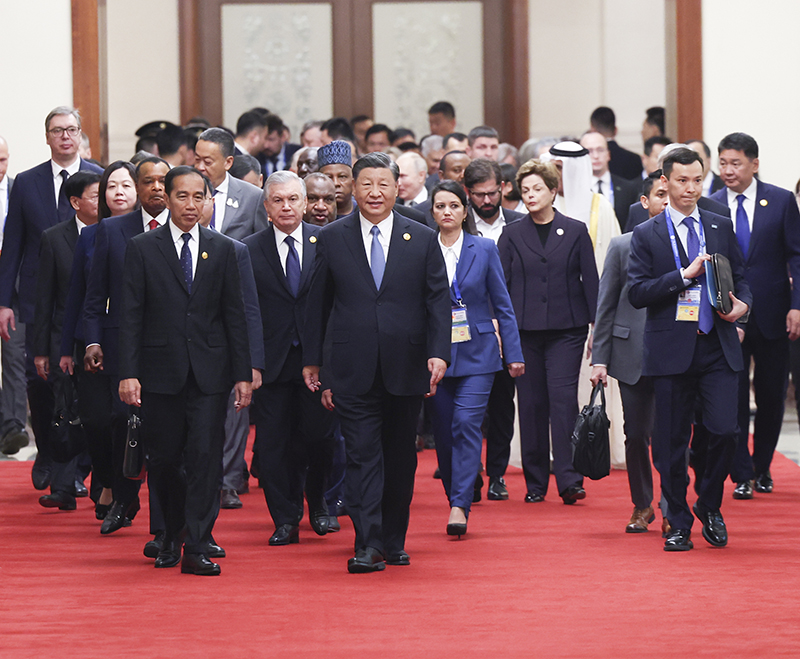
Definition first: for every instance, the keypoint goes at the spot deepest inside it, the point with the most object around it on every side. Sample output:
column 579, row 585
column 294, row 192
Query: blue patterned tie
column 292, row 266
column 742, row 226
column 377, row 258
column 186, row 261
column 706, row 320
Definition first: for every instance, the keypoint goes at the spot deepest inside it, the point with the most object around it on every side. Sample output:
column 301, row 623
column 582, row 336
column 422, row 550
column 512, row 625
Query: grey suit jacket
column 618, row 327
column 244, row 210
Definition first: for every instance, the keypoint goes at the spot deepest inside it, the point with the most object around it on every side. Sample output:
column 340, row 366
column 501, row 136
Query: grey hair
column 533, row 148
column 430, row 144
column 60, row 111
column 281, row 177
column 419, row 162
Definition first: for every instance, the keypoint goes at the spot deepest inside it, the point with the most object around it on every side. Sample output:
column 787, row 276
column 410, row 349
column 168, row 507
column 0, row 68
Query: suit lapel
column 661, row 230
column 760, row 217
column 232, row 204
column 205, row 245
column 530, row 236
column 309, row 253
column 44, row 181
column 397, row 245
column 355, row 243
column 711, row 229
column 270, row 250
column 554, row 239
column 467, row 257
column 167, row 248
column 71, row 234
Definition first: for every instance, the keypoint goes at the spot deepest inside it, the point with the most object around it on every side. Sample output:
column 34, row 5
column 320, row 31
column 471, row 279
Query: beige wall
column 751, row 55
column 36, row 56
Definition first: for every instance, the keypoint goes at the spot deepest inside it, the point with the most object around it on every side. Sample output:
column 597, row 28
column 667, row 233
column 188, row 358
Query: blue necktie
column 742, row 226
column 377, row 258
column 292, row 267
column 186, row 261
column 706, row 320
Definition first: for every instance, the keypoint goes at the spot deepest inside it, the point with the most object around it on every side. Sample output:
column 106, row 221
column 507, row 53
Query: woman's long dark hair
column 103, row 211
column 458, row 190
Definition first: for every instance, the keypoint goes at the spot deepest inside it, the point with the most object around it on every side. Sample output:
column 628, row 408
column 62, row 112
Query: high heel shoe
column 457, row 529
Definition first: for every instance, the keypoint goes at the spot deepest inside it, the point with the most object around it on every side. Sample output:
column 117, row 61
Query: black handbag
column 66, row 437
column 591, row 455
column 133, row 462
column 719, row 282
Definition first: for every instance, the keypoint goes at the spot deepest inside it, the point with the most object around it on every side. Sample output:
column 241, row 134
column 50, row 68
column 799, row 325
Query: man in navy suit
column 379, row 303
column 691, row 351
column 767, row 225
column 37, row 202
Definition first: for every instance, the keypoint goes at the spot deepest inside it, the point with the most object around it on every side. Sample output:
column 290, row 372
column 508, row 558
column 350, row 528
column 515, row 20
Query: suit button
column 544, row 260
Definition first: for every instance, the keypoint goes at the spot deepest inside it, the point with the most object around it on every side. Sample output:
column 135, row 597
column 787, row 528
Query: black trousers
column 499, row 424
column 638, row 410
column 379, row 432
column 184, row 434
column 710, row 384
column 294, row 443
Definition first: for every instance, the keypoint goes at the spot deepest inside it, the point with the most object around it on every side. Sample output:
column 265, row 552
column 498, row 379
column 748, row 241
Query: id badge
column 689, row 304
column 460, row 330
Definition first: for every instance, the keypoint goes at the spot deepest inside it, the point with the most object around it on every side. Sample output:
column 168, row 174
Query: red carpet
column 529, row 580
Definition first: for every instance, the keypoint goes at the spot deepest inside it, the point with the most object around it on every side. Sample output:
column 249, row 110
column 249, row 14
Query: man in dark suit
column 767, row 225
column 451, row 167
column 712, row 182
column 294, row 432
column 36, row 203
column 379, row 302
column 623, row 163
column 620, row 192
column 183, row 344
column 691, row 351
column 55, row 265
column 276, row 151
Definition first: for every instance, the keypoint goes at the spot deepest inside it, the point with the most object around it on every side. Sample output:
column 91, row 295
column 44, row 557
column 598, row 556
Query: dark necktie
column 706, row 320
column 63, row 202
column 186, row 261
column 377, row 258
column 152, row 224
column 742, row 226
column 292, row 266
column 600, row 187
column 213, row 223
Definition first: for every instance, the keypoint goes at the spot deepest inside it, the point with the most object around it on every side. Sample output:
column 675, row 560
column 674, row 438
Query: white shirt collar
column 421, row 196
column 81, row 226
column 500, row 220
column 177, row 234
column 297, row 234
column 749, row 193
column 455, row 247
column 384, row 226
column 71, row 169
column 160, row 218
column 677, row 217
column 605, row 178
column 223, row 187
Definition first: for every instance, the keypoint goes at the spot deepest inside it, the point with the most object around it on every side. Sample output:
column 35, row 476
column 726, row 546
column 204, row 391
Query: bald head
column 413, row 171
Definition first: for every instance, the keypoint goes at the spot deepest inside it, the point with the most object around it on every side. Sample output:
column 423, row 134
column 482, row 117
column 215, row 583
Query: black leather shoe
column 115, row 518
column 169, row 556
column 476, row 492
column 152, row 548
column 13, row 442
column 333, row 524
column 764, row 483
column 678, row 540
column 714, row 530
column 199, row 564
column 60, row 500
column 572, row 494
column 285, row 534
column 530, row 497
column 40, row 473
column 743, row 490
column 437, row 474
column 79, row 489
column 366, row 560
column 101, row 510
column 215, row 551
column 229, row 500
column 457, row 529
column 398, row 558
column 497, row 489
column 319, row 520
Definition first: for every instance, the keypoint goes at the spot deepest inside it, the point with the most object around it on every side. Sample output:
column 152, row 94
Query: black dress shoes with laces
column 743, row 490
column 497, row 489
column 200, row 565
column 714, row 530
column 60, row 500
column 285, row 534
column 764, row 483
column 678, row 540
column 365, row 561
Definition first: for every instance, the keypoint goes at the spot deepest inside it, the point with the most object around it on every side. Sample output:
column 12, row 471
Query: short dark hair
column 78, row 182
column 248, row 122
column 603, row 118
column 359, row 118
column 509, row 172
column 377, row 160
column 739, row 142
column 655, row 117
column 706, row 148
column 458, row 190
column 184, row 170
column 148, row 144
column 274, row 123
column 338, row 128
column 243, row 164
column 222, row 138
column 682, row 156
column 191, row 137
column 397, row 133
column 149, row 159
column 443, row 107
column 443, row 161
column 460, row 137
column 378, row 128
column 650, row 142
column 482, row 170
column 170, row 139
column 649, row 182
column 103, row 211
column 481, row 131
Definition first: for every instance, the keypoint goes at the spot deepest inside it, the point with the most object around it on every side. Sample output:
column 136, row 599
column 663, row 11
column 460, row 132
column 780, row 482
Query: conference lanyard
column 459, row 322
column 457, row 291
column 674, row 242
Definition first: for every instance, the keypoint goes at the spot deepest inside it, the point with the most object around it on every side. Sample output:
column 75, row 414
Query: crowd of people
column 364, row 293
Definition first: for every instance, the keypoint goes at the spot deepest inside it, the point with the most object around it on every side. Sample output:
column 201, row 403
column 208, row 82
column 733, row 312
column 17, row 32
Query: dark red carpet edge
column 529, row 580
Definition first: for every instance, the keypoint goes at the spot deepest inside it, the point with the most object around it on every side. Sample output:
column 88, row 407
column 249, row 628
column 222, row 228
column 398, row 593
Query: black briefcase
column 591, row 455
column 719, row 282
column 133, row 462
column 66, row 437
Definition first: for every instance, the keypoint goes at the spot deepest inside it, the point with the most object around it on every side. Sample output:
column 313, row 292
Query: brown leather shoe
column 640, row 518
column 666, row 529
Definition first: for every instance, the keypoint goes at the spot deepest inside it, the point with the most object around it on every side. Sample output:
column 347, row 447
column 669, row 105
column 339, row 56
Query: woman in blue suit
column 478, row 295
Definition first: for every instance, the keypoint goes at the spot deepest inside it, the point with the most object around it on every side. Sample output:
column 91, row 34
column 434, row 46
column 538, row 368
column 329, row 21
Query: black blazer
column 52, row 287
column 625, row 193
column 282, row 315
column 555, row 286
column 624, row 163
column 400, row 326
column 165, row 331
column 639, row 214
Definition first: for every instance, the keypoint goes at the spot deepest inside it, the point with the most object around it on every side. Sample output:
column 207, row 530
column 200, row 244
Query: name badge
column 460, row 330
column 689, row 304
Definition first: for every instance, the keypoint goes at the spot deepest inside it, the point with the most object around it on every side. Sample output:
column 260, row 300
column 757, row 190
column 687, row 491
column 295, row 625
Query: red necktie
column 152, row 224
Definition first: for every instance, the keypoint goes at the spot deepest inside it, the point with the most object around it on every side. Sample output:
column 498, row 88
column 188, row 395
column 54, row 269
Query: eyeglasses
column 71, row 131
column 485, row 195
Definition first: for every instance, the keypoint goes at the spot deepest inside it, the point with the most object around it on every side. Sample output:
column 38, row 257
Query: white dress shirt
column 708, row 182
column 283, row 248
column 749, row 203
column 220, row 201
column 385, row 235
column 194, row 243
column 607, row 188
column 452, row 255
column 493, row 230
column 81, row 226
column 421, row 196
column 682, row 231
column 3, row 206
column 162, row 217
column 57, row 180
